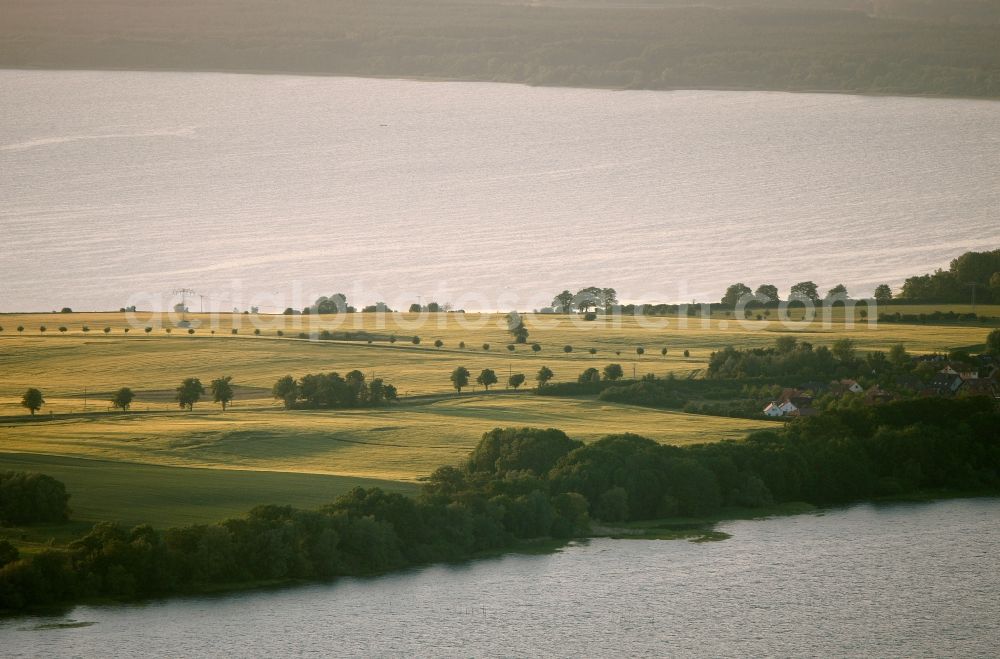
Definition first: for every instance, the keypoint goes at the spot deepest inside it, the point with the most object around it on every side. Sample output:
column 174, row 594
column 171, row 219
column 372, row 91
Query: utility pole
column 184, row 292
column 84, row 399
column 973, row 285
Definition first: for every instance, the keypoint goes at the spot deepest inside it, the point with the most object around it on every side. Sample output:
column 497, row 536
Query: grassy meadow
column 166, row 466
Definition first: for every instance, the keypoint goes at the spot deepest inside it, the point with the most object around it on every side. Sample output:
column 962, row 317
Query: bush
column 26, row 498
column 438, row 343
column 567, row 349
column 415, row 340
column 535, row 347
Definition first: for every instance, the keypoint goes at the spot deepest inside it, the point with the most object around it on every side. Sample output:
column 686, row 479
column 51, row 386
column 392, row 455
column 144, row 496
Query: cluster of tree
column 525, row 483
column 487, row 377
column 971, row 273
column 764, row 44
column 585, row 300
column 767, row 294
column 935, row 317
column 363, row 532
column 331, row 391
column 191, row 390
column 789, row 357
column 27, row 498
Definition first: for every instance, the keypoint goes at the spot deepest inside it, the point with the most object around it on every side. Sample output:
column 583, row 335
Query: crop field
column 74, row 368
column 167, row 466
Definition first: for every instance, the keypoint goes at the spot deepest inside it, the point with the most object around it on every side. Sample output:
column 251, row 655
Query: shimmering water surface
column 273, row 189
column 907, row 580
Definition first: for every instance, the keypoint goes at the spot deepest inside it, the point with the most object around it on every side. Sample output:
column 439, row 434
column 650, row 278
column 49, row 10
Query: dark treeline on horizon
column 940, row 47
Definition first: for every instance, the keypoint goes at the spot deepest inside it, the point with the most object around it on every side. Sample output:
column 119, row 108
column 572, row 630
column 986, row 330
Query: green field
column 167, row 467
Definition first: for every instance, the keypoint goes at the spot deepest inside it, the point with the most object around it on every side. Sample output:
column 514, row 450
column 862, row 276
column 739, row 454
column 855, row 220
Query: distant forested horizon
column 901, row 47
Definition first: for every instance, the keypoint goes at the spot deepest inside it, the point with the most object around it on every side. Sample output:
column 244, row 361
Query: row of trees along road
column 487, row 377
column 187, row 394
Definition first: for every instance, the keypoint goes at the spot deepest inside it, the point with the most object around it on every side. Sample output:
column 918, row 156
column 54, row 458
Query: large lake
column 485, row 195
column 909, row 580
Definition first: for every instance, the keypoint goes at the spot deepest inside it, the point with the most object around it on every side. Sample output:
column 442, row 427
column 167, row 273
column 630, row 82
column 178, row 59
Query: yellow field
column 403, row 443
column 259, row 453
column 74, row 367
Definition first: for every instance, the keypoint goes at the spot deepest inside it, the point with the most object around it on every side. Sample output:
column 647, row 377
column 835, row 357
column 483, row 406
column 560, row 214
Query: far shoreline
column 429, row 79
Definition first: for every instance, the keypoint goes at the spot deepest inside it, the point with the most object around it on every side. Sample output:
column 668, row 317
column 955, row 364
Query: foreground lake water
column 270, row 190
column 888, row 580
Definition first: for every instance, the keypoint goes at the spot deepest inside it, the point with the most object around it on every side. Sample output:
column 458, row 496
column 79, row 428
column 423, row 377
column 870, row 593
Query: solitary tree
column 843, row 349
column 33, row 400
column 42, row 328
column 460, row 378
column 222, row 390
column 609, row 298
column 805, row 290
column 589, row 375
column 148, row 330
column 487, row 377
column 993, row 343
column 898, row 356
column 767, row 293
column 515, row 325
column 687, row 353
column 438, row 343
column 62, row 329
column 613, row 372
column 515, row 380
column 663, row 351
column 415, row 340
column 563, row 302
column 20, row 328
column 543, row 376
column 486, row 346
column 286, row 389
column 107, row 330
column 567, row 349
column 511, row 347
column 785, row 344
column 883, row 293
column 588, row 298
column 122, row 399
column 640, row 351
column 189, row 393
column 535, row 347
column 734, row 293
column 592, row 351
column 837, row 292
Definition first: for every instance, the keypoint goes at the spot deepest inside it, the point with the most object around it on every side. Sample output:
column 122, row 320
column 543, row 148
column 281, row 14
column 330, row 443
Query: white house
column 852, row 386
column 776, row 408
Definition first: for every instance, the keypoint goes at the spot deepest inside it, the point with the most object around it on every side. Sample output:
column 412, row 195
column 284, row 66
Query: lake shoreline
column 694, row 529
column 418, row 78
